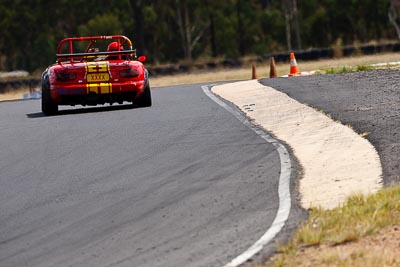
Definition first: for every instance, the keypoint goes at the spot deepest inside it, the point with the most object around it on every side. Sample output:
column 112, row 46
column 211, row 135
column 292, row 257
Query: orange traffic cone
column 254, row 73
column 294, row 70
column 272, row 69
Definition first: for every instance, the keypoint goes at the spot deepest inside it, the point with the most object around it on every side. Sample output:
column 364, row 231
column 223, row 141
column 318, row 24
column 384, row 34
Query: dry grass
column 14, row 95
column 363, row 232
column 245, row 72
column 373, row 251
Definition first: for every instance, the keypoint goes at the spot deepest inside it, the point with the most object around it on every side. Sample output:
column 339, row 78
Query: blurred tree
column 172, row 30
column 316, row 24
column 240, row 28
column 296, row 25
column 138, row 9
column 212, row 10
column 393, row 15
column 160, row 31
column 105, row 24
column 292, row 24
column 273, row 28
column 191, row 25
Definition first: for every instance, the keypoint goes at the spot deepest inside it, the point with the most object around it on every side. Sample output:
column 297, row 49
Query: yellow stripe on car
column 99, row 88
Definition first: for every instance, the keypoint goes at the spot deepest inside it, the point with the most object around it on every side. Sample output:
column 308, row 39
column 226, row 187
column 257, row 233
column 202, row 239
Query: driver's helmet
column 114, row 47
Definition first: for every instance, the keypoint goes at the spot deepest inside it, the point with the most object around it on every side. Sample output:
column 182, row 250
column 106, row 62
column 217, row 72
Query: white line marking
column 284, row 185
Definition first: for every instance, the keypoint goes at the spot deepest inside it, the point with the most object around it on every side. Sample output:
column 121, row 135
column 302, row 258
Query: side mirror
column 142, row 59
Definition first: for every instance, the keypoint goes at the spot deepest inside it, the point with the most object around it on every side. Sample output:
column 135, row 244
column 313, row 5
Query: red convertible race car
column 95, row 70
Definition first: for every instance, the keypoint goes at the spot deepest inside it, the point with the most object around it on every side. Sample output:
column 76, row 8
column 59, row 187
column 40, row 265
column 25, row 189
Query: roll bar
column 121, row 39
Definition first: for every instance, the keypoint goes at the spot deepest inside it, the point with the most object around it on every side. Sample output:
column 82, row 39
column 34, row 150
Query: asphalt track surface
column 368, row 101
column 182, row 183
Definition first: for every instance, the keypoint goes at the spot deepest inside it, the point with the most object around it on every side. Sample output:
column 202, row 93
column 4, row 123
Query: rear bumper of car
column 97, row 93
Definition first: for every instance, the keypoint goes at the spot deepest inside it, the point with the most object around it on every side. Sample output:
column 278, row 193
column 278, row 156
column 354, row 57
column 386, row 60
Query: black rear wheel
column 48, row 106
column 145, row 99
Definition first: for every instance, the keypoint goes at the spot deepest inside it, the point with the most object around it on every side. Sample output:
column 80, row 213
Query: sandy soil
column 378, row 250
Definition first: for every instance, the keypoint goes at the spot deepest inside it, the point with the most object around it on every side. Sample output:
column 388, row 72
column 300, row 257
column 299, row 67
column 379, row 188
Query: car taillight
column 128, row 73
column 65, row 76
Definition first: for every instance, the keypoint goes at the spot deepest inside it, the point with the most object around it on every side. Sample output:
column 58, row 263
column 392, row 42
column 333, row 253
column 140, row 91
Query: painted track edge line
column 283, row 212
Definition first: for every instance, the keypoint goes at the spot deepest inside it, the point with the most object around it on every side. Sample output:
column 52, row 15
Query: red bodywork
column 95, row 76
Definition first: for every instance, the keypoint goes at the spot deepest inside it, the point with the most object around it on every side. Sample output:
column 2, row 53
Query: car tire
column 145, row 99
column 48, row 106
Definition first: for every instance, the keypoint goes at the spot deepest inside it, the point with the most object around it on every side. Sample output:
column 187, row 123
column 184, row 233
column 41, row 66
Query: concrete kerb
column 336, row 161
column 283, row 189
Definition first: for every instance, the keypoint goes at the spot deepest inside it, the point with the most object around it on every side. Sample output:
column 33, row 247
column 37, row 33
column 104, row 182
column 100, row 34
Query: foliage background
column 186, row 30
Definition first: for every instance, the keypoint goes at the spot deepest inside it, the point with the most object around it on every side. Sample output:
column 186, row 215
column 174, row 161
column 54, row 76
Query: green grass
column 364, row 67
column 359, row 217
column 345, row 69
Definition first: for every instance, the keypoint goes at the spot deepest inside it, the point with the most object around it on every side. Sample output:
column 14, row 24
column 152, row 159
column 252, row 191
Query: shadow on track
column 95, row 109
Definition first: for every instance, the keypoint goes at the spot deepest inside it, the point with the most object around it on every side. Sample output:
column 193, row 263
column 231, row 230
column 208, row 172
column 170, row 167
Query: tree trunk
column 182, row 27
column 392, row 14
column 293, row 38
column 288, row 17
column 296, row 25
column 242, row 45
column 213, row 42
column 188, row 34
column 214, row 51
column 137, row 6
column 288, row 32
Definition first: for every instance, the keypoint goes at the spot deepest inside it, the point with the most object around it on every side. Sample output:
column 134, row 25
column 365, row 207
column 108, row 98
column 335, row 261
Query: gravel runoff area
column 336, row 162
column 369, row 101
